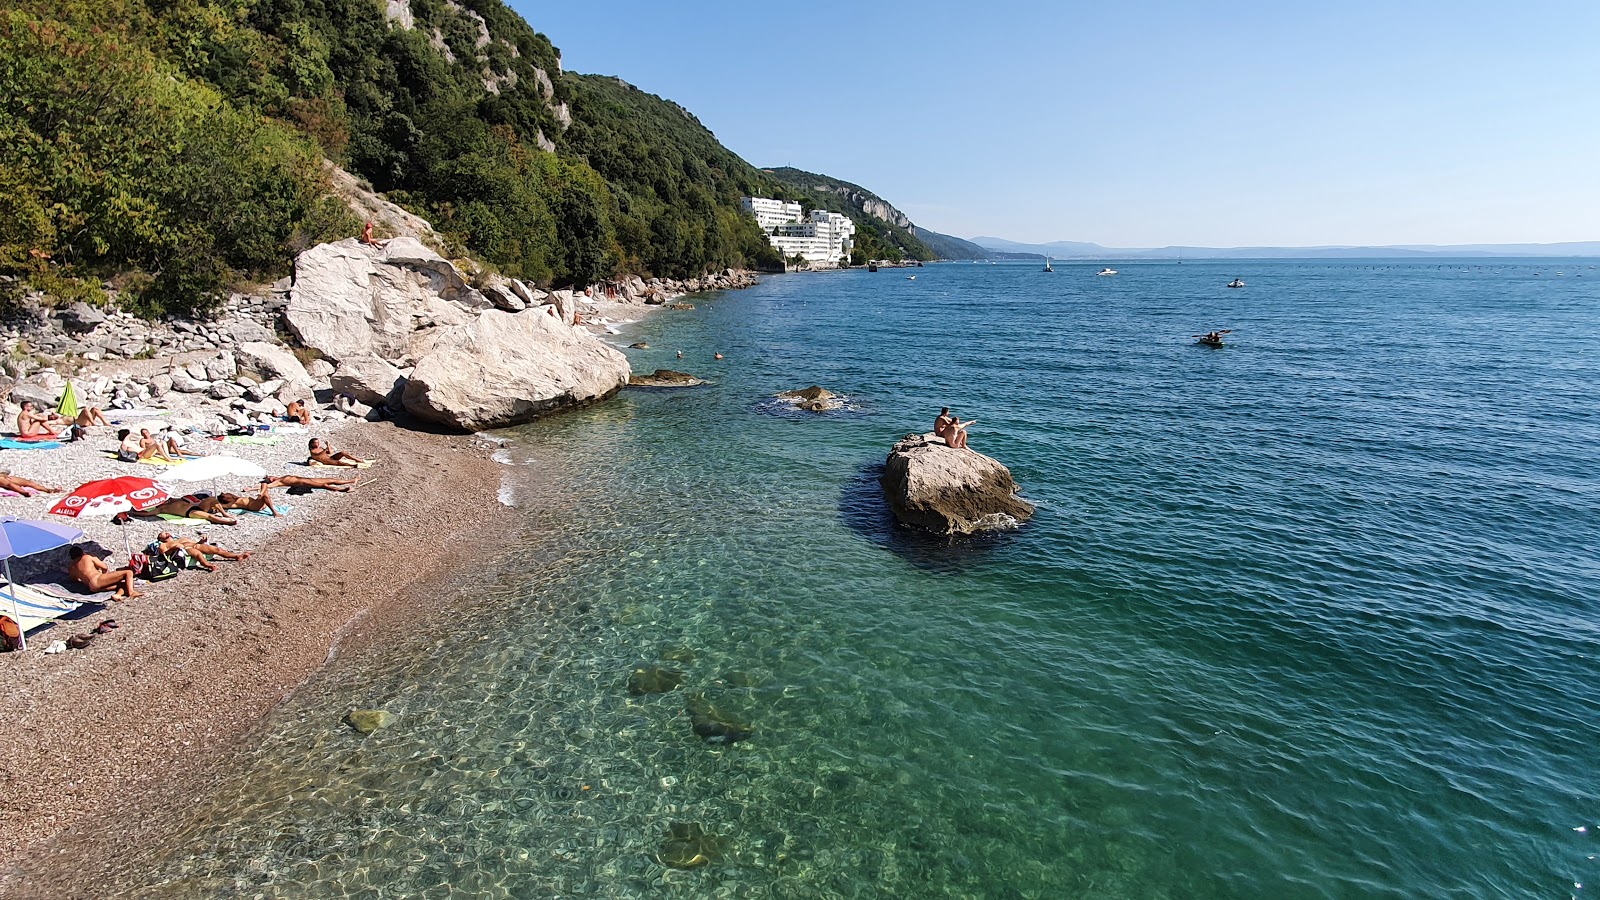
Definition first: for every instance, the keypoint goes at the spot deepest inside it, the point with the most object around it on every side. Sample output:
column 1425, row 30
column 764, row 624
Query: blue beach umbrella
column 25, row 537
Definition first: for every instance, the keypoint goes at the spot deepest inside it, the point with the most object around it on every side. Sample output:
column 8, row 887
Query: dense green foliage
column 109, row 163
column 178, row 144
column 876, row 237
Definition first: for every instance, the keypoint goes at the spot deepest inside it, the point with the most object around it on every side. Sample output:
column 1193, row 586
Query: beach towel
column 122, row 416
column 16, row 444
column 34, row 606
column 365, row 464
column 183, row 520
column 252, row 439
column 112, row 454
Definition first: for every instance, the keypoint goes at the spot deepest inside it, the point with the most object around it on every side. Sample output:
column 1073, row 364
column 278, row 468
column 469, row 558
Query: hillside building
column 821, row 239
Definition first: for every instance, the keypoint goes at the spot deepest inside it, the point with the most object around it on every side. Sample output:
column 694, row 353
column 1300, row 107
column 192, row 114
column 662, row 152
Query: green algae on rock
column 689, row 846
column 367, row 721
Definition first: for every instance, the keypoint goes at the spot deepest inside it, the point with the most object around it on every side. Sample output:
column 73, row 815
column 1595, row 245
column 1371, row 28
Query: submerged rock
column 639, row 345
column 814, row 398
column 653, row 680
column 687, row 846
column 716, row 725
column 665, row 378
column 950, row 491
column 367, row 721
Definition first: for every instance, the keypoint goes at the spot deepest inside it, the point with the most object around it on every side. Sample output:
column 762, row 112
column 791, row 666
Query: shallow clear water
column 1310, row 615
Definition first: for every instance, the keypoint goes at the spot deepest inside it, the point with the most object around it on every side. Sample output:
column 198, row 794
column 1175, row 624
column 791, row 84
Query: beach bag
column 158, row 566
column 10, row 635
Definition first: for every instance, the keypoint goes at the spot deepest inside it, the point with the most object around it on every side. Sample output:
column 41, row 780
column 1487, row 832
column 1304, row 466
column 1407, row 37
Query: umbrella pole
column 127, row 548
column 11, row 588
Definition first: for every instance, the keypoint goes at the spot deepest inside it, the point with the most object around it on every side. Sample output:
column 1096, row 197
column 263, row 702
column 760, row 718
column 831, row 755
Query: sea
column 1313, row 614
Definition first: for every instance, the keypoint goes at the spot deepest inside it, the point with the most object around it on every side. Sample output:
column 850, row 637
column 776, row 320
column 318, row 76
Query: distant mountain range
column 1081, row 250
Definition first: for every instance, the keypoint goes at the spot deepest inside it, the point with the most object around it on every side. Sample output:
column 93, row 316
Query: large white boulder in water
column 950, row 491
column 352, row 299
column 507, row 368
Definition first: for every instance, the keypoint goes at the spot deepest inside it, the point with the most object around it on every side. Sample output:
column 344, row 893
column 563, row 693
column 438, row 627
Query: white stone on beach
column 508, row 368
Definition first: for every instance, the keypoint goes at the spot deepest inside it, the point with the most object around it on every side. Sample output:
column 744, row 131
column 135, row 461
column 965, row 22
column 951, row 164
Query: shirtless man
column 262, row 501
column 340, row 485
column 32, row 423
column 191, row 507
column 25, row 486
column 327, row 456
column 956, row 435
column 197, row 550
column 941, row 425
column 94, row 574
column 297, row 411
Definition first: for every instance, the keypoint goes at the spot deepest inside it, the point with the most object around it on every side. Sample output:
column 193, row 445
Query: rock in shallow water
column 687, row 846
column 653, row 680
column 950, row 491
column 716, row 725
column 367, row 721
column 664, row 378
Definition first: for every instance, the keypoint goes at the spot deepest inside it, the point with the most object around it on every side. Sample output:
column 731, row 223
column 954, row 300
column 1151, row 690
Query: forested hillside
column 177, row 146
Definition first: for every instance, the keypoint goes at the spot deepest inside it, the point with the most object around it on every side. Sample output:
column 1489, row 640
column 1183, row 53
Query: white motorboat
column 1107, row 271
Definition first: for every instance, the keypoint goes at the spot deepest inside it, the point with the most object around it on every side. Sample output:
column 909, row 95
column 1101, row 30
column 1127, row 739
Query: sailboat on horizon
column 1047, row 265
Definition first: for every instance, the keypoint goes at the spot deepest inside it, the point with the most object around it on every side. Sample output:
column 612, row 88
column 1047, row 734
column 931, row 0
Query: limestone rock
column 221, row 367
column 44, row 395
column 80, row 317
column 367, row 721
column 245, row 331
column 508, row 368
column 269, row 362
column 814, row 398
column 319, row 369
column 665, row 378
column 502, row 292
column 185, row 383
column 350, row 299
column 160, row 384
column 950, row 491
column 368, row 379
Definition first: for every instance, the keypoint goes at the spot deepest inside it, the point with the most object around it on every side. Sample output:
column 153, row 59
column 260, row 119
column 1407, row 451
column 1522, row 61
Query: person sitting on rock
column 33, row 423
column 26, row 487
column 322, row 454
column 956, row 435
column 197, row 550
column 259, row 503
column 94, row 574
column 369, row 240
column 192, row 506
column 941, row 425
column 341, row 485
column 297, row 412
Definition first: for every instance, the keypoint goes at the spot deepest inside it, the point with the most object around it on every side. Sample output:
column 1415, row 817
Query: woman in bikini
column 259, row 503
column 208, row 509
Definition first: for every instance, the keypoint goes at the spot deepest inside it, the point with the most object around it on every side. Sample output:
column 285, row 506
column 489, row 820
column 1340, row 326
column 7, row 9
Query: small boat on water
column 1107, row 271
column 1236, row 282
column 872, row 266
column 1047, row 265
column 911, row 278
column 1211, row 338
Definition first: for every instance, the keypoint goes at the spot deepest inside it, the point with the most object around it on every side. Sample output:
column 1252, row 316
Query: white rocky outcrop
column 950, row 491
column 350, row 299
column 507, row 368
column 368, row 379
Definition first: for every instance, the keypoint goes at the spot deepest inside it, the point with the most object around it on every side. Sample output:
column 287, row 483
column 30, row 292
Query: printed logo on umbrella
column 74, row 501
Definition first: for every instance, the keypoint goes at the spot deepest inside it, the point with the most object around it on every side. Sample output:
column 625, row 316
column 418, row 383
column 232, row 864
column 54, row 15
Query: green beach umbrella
column 69, row 402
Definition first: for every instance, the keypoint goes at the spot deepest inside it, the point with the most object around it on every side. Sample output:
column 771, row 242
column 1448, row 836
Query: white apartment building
column 821, row 240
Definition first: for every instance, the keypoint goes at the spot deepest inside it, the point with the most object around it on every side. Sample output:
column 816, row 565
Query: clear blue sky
column 1145, row 123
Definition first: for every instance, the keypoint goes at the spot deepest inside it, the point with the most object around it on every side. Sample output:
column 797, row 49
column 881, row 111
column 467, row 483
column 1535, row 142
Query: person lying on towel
column 208, row 509
column 341, row 485
column 262, row 502
column 322, row 454
column 196, row 549
column 24, row 486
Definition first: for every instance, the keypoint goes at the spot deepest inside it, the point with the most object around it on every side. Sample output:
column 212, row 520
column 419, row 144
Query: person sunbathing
column 258, row 503
column 25, row 486
column 196, row 549
column 297, row 412
column 340, row 485
column 171, row 442
column 322, row 454
column 207, row 509
column 32, row 423
column 94, row 574
column 91, row 415
column 151, row 448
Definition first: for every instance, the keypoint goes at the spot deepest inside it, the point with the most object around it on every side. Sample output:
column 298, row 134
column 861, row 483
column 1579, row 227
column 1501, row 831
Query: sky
column 1141, row 123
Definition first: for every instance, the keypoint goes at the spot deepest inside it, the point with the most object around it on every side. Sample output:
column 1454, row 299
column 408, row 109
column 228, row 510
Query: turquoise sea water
column 1313, row 615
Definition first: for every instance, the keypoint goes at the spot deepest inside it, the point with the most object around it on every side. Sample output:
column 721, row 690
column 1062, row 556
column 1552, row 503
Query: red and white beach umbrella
column 109, row 496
